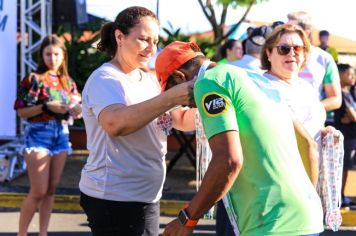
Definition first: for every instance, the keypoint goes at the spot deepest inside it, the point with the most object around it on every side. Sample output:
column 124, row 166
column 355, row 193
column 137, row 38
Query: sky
column 336, row 16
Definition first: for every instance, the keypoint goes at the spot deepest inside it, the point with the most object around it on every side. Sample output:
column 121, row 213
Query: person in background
column 345, row 121
column 253, row 45
column 127, row 120
column 249, row 30
column 231, row 50
column 276, row 23
column 324, row 44
column 46, row 98
column 255, row 158
column 320, row 70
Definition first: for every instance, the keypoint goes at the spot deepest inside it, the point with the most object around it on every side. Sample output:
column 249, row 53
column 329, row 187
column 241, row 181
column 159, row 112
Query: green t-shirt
column 272, row 194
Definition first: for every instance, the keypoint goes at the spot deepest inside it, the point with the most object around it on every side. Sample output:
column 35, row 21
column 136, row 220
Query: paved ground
column 180, row 185
column 74, row 224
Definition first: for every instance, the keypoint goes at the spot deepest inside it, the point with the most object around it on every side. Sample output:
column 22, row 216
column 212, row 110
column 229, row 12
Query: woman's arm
column 120, row 120
column 308, row 150
column 54, row 106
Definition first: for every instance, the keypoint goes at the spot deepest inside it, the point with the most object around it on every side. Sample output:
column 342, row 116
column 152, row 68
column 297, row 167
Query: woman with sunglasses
column 283, row 56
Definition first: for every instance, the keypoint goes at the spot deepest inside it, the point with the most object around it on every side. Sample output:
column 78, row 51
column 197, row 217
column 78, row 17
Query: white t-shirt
column 304, row 103
column 248, row 62
column 123, row 168
column 320, row 69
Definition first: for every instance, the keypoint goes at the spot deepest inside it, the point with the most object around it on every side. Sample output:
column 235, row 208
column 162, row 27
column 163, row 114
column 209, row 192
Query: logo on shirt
column 214, row 104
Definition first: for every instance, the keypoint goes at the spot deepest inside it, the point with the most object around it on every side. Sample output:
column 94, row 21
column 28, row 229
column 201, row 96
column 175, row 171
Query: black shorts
column 350, row 152
column 113, row 218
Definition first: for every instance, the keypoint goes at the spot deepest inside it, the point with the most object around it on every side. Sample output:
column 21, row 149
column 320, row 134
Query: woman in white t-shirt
column 283, row 56
column 126, row 121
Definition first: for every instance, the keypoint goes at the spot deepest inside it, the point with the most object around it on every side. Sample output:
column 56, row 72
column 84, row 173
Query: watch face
column 183, row 218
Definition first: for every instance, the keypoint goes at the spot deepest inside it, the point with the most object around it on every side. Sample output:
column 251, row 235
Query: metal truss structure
column 36, row 23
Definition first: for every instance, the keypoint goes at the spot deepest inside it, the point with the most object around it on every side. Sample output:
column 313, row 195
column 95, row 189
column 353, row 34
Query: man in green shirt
column 324, row 44
column 255, row 154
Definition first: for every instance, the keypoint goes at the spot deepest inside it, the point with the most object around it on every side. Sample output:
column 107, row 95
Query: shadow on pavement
column 200, row 230
column 52, row 234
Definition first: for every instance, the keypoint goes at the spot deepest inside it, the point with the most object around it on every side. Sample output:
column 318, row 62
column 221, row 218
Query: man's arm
column 308, row 150
column 222, row 172
column 184, row 118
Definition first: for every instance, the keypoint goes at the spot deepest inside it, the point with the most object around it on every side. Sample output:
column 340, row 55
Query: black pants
column 113, row 218
column 223, row 224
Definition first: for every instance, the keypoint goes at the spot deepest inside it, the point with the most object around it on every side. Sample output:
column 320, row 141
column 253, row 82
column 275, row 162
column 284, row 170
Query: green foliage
column 83, row 57
column 207, row 47
column 172, row 35
column 238, row 3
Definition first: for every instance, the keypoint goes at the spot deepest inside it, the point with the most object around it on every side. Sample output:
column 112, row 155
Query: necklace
column 53, row 79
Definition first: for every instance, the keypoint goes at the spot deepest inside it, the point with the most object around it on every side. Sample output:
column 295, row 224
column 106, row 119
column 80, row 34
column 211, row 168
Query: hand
column 176, row 228
column 182, row 94
column 58, row 107
column 76, row 111
column 331, row 130
column 345, row 120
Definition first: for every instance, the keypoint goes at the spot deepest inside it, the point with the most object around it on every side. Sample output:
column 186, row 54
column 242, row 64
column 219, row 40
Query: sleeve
column 215, row 107
column 103, row 90
column 331, row 73
column 27, row 92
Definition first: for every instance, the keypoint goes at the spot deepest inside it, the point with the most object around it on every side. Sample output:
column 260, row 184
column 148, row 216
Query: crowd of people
column 265, row 108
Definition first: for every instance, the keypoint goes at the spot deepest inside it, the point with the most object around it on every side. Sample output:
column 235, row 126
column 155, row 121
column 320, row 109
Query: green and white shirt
column 272, row 194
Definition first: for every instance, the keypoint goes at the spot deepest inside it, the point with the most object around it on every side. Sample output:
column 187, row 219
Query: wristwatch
column 184, row 219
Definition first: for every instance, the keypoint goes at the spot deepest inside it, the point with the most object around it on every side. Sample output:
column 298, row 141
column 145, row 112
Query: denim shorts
column 50, row 136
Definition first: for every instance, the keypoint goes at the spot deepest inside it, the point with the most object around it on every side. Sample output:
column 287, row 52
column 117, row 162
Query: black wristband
column 44, row 108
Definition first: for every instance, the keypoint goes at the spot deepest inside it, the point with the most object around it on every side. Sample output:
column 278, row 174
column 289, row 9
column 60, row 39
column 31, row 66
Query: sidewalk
column 178, row 189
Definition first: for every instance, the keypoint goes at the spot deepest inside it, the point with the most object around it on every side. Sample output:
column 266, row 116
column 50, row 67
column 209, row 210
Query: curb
column 71, row 203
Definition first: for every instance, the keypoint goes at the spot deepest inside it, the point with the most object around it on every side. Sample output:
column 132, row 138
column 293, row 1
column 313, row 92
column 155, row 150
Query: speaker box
column 69, row 11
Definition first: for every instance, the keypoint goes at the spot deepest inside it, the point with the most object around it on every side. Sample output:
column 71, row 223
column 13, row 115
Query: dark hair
column 276, row 35
column 125, row 21
column 227, row 45
column 53, row 40
column 343, row 67
column 194, row 62
column 323, row 33
column 277, row 23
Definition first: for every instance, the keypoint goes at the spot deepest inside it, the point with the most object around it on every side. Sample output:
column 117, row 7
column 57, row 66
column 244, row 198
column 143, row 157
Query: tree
column 218, row 27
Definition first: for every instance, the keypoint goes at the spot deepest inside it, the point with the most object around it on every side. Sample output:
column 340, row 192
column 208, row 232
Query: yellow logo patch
column 214, row 104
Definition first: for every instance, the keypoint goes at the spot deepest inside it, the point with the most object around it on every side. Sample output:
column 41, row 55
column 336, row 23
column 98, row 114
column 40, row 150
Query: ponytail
column 108, row 42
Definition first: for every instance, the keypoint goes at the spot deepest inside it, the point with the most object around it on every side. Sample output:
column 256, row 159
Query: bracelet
column 44, row 108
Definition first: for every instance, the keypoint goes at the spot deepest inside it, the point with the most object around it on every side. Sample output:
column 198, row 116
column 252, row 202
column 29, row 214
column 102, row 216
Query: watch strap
column 188, row 222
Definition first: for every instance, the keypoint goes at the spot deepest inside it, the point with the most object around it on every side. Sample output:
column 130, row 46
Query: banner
column 8, row 54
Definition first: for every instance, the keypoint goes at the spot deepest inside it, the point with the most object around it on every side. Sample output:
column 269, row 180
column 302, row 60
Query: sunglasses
column 285, row 49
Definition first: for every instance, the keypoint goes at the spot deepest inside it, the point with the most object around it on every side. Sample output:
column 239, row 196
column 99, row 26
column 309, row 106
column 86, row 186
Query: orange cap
column 172, row 57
